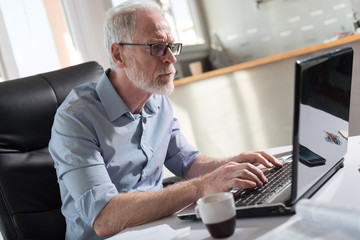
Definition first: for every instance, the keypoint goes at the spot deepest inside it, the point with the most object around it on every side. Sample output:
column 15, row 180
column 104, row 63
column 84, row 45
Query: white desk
column 336, row 191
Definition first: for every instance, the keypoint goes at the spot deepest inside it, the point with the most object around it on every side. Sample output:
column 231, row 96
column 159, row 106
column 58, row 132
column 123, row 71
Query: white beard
column 148, row 84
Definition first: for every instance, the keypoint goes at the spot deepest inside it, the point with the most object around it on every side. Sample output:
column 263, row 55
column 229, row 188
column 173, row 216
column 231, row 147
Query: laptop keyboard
column 277, row 177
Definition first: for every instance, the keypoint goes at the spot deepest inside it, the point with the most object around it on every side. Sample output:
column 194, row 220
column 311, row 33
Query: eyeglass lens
column 159, row 49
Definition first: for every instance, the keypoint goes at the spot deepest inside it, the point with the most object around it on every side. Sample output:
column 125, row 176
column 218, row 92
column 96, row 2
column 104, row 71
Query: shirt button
column 143, row 145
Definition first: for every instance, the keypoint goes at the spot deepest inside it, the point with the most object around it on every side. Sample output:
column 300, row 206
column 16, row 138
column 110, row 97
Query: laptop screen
column 321, row 119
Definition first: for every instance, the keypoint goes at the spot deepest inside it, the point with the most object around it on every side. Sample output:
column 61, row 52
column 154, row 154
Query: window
column 117, row 2
column 178, row 13
column 1, row 77
column 2, row 74
column 30, row 37
column 183, row 21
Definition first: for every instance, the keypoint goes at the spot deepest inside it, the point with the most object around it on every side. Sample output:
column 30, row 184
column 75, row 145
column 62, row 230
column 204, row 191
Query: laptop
column 320, row 135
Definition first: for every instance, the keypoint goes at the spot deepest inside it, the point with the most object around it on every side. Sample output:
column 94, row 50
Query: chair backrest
column 29, row 193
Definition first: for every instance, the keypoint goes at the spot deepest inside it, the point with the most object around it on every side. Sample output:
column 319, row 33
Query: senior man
column 110, row 140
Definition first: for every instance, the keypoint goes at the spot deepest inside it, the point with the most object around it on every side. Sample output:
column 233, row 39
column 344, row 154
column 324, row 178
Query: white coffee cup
column 217, row 212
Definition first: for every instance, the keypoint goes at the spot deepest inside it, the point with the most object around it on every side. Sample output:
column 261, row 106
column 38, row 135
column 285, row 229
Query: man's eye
column 158, row 46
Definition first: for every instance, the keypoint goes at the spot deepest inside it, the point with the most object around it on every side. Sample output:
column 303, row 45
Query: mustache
column 170, row 69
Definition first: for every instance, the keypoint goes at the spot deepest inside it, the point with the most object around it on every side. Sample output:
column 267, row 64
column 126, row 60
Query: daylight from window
column 30, row 36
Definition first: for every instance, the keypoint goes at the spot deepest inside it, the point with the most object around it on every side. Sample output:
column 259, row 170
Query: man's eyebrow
column 160, row 41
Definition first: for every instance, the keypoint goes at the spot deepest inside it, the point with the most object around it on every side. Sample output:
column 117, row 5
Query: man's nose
column 169, row 57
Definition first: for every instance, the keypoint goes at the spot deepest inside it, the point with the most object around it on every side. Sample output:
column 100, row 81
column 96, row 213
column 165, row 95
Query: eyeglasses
column 159, row 49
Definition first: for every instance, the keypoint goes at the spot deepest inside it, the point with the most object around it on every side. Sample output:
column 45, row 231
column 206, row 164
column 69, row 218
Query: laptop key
column 277, row 178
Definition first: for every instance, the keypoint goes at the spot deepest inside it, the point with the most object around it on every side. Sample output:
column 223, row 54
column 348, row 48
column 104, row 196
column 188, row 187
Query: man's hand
column 232, row 176
column 257, row 158
column 239, row 172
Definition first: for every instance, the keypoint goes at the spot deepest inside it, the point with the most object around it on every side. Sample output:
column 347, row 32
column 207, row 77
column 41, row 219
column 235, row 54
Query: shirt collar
column 151, row 107
column 114, row 105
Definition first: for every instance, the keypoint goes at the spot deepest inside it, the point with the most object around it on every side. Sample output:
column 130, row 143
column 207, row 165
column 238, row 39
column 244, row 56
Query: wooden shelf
column 266, row 60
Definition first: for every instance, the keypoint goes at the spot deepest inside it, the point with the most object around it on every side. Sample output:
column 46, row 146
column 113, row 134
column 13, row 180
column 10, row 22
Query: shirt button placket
column 143, row 144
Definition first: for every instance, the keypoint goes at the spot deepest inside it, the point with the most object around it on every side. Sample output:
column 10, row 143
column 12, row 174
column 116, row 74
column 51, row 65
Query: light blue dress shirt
column 101, row 149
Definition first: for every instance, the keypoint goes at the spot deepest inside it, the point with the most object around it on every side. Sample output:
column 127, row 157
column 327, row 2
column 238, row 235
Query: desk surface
column 336, row 191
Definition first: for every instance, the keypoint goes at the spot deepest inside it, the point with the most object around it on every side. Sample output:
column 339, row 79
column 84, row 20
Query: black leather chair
column 29, row 193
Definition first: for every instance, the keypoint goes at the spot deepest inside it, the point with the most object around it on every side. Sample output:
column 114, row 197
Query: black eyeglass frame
column 171, row 45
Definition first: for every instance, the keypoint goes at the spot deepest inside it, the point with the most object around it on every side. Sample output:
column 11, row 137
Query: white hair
column 120, row 22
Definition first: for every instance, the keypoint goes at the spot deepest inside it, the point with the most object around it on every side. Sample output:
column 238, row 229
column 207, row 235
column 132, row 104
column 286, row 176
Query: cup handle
column 197, row 212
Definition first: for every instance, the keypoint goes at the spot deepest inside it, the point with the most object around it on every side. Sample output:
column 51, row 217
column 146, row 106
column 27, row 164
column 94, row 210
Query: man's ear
column 117, row 54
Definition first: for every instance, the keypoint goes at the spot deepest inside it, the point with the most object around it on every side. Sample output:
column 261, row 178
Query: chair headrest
column 28, row 105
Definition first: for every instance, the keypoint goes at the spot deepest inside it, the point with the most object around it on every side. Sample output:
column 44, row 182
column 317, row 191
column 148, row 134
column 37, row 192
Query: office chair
column 29, row 193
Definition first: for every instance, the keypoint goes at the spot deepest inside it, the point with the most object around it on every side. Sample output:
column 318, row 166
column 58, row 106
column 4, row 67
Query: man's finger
column 268, row 160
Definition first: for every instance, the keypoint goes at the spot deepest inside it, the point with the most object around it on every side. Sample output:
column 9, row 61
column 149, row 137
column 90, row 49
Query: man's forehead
column 152, row 25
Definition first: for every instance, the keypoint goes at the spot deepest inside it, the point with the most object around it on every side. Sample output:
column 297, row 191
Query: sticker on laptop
column 332, row 138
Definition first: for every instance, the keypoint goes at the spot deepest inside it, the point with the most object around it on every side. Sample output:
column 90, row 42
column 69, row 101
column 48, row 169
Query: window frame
column 8, row 68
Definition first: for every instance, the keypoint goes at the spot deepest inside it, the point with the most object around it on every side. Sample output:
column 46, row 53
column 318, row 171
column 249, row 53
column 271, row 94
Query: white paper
column 316, row 220
column 163, row 232
column 327, row 215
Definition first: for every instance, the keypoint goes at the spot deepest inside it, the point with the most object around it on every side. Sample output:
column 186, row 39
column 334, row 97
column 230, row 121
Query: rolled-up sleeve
column 180, row 154
column 92, row 191
column 91, row 203
column 80, row 166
